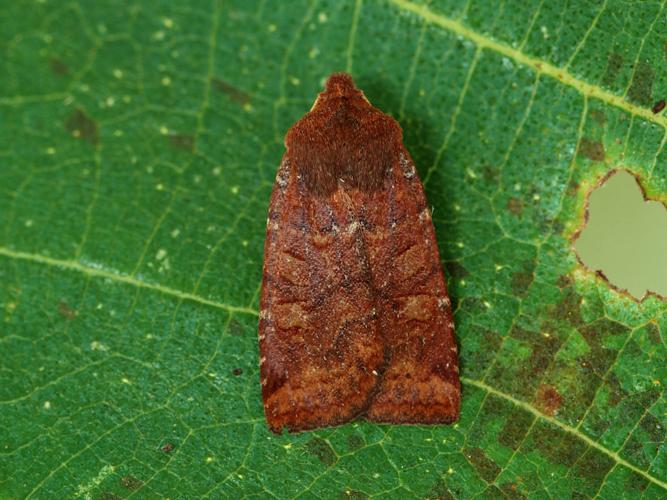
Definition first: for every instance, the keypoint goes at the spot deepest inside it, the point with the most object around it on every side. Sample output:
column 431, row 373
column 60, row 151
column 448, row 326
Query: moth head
column 343, row 141
column 340, row 88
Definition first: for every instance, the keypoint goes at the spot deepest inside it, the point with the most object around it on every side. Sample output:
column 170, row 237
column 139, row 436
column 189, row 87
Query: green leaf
column 138, row 147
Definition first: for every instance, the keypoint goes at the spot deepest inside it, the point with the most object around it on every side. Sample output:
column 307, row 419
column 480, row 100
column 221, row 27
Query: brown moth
column 355, row 319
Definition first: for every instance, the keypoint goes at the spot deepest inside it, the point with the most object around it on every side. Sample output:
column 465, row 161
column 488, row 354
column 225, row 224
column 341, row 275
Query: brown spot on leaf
column 321, row 449
column 66, row 311
column 614, row 64
column 183, row 141
column 547, row 399
column 58, row 67
column 641, row 88
column 487, row 468
column 167, row 448
column 593, row 150
column 237, row 371
column 235, row 94
column 81, row 126
column 658, row 106
column 131, row 483
column 515, row 206
column 564, row 280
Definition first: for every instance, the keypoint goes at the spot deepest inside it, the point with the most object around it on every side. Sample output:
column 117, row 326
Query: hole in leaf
column 625, row 236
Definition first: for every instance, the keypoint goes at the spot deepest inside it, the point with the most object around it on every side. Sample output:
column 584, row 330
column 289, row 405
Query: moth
column 355, row 320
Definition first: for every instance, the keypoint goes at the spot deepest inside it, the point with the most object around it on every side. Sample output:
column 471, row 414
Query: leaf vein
column 121, row 278
column 565, row 427
column 540, row 66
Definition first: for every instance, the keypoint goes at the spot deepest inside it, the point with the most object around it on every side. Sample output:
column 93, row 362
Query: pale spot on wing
column 417, row 307
column 283, row 174
column 291, row 268
column 444, row 302
column 352, row 228
column 291, row 316
column 411, row 261
column 425, row 215
column 322, row 240
column 407, row 167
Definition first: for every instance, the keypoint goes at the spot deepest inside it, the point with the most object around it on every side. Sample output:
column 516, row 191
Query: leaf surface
column 139, row 147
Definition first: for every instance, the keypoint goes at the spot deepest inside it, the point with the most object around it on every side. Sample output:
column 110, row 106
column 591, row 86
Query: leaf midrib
column 538, row 65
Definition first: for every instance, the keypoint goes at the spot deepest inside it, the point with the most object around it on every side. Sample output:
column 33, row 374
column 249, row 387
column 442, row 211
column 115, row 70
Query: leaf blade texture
column 138, row 153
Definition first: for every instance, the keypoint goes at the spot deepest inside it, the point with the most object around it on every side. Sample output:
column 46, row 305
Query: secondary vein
column 118, row 277
column 540, row 66
column 569, row 429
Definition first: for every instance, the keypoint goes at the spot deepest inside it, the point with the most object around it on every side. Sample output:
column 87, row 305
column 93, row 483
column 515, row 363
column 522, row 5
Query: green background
column 138, row 146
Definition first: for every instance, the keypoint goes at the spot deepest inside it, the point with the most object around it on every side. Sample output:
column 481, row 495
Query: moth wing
column 421, row 382
column 321, row 350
